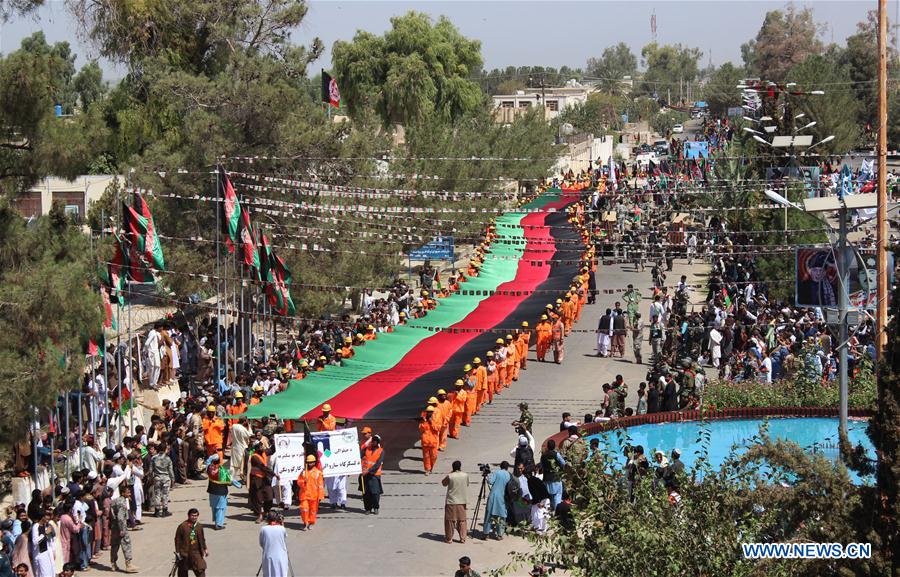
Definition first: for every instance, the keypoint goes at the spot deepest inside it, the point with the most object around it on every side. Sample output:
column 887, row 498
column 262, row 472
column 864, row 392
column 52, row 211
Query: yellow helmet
column 310, row 458
column 441, row 392
column 432, row 400
column 543, row 317
column 467, row 368
column 509, row 337
column 490, row 354
column 477, row 360
column 326, row 408
column 459, row 383
column 499, row 341
column 211, row 409
column 525, row 324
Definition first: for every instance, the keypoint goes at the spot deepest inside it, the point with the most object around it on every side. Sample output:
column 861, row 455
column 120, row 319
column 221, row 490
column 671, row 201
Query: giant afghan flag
column 230, row 209
column 278, row 279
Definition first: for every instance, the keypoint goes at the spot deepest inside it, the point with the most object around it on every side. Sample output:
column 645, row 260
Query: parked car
column 677, row 129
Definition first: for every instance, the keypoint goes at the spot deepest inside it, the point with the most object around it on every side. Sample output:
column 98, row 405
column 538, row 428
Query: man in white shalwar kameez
column 43, row 548
column 240, row 438
column 274, row 547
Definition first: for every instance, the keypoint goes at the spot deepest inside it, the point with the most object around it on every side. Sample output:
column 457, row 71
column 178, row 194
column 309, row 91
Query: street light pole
column 881, row 189
column 843, row 306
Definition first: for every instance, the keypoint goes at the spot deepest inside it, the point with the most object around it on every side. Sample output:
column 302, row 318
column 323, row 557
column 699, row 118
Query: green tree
column 721, row 92
column 599, row 114
column 667, row 66
column 785, row 39
column 415, row 69
column 835, row 112
column 34, row 142
column 88, row 85
column 47, row 310
column 614, row 64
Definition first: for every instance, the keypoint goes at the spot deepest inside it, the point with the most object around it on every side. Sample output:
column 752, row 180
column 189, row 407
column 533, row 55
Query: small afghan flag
column 138, row 223
column 248, row 244
column 330, row 93
column 278, row 280
column 727, row 298
column 230, row 209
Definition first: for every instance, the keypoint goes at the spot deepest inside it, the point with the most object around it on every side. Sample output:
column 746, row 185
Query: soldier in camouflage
column 525, row 418
column 118, row 526
column 163, row 476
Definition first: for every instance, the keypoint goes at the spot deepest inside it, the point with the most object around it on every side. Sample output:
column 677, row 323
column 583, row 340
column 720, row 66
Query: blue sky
column 520, row 33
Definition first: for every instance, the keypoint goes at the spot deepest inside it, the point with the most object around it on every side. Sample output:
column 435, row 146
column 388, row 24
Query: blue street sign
column 441, row 248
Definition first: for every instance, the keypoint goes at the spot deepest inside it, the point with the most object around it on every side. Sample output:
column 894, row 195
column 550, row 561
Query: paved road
column 406, row 539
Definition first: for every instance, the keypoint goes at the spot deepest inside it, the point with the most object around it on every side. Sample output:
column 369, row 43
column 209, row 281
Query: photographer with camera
column 495, row 512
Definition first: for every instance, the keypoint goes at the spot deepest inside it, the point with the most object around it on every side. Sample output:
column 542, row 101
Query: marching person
column 522, row 346
column 217, row 488
column 370, row 479
column 556, row 340
column 430, row 429
column 459, row 409
column 311, row 490
column 163, row 477
column 445, row 408
column 272, row 541
column 190, row 546
column 543, row 330
column 240, row 438
column 260, row 491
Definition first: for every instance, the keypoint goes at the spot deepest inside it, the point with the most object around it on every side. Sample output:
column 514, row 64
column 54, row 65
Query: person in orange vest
column 238, row 405
column 256, row 395
column 576, row 305
column 304, row 368
column 543, row 330
column 347, row 350
column 326, row 421
column 500, row 357
column 430, row 429
column 551, row 312
column 402, row 320
column 557, row 333
column 370, row 335
column 481, row 385
column 471, row 395
column 320, row 364
column 370, row 479
column 452, row 284
column 493, row 375
column 522, row 346
column 311, row 489
column 512, row 361
column 445, row 407
column 213, row 432
column 459, row 409
column 568, row 313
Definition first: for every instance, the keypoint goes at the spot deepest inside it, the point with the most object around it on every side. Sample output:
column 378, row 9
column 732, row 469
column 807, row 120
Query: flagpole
column 120, row 373
column 67, row 413
column 237, row 313
column 218, row 276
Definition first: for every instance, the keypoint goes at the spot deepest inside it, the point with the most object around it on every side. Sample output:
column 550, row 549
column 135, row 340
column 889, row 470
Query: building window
column 553, row 105
column 525, row 104
column 508, row 104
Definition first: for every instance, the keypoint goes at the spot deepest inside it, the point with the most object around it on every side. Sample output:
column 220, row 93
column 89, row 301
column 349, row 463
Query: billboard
column 441, row 248
column 817, row 281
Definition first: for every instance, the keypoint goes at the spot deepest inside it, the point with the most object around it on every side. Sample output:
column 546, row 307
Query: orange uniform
column 213, row 435
column 459, row 409
column 431, row 430
column 445, row 408
column 512, row 364
column 347, row 352
column 311, row 490
column 326, row 423
column 471, row 397
column 481, row 385
column 522, row 348
column 493, row 376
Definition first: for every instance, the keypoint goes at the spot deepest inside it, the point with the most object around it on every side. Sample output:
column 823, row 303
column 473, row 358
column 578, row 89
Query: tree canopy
column 667, row 66
column 615, row 63
column 785, row 39
column 415, row 69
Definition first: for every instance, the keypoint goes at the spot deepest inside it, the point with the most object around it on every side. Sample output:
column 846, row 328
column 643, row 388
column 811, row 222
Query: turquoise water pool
column 819, row 434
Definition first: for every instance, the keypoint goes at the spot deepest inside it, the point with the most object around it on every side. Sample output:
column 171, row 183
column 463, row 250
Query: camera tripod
column 481, row 494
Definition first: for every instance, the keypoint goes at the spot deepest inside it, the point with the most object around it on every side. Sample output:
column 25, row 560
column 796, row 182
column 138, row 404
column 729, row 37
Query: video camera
column 485, row 469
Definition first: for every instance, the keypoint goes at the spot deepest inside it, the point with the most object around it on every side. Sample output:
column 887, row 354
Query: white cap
column 92, row 475
column 523, row 440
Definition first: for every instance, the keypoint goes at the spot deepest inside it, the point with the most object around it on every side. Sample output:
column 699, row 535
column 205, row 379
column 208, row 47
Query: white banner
column 338, row 453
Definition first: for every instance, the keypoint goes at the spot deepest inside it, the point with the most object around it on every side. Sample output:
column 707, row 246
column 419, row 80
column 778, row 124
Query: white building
column 75, row 195
column 554, row 100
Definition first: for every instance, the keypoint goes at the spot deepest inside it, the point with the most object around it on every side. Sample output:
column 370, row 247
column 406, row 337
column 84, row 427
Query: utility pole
column 843, row 306
column 881, row 215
